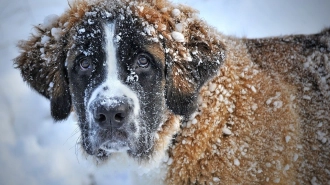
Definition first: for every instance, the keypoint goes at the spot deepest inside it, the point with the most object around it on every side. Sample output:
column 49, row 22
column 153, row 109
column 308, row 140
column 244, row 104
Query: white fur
column 115, row 87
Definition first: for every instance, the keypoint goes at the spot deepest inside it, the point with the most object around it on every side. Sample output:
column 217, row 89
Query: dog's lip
column 111, row 146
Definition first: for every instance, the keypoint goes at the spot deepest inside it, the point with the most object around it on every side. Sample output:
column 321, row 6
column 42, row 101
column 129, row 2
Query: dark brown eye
column 85, row 64
column 143, row 61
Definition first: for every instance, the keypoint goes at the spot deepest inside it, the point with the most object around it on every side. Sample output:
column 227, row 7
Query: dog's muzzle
column 112, row 124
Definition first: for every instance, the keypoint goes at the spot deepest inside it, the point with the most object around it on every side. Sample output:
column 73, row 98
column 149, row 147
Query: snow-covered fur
column 211, row 109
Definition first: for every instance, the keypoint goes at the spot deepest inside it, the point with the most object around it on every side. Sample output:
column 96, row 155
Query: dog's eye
column 85, row 64
column 143, row 61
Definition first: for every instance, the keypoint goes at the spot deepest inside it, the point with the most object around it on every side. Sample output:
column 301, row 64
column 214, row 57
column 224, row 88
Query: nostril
column 119, row 117
column 101, row 118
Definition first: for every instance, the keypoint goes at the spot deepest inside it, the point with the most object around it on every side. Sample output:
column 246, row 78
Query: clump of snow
column 320, row 124
column 277, row 104
column 212, row 87
column 149, row 30
column 287, row 139
column 216, row 179
column 307, row 88
column 295, row 157
column 51, row 84
column 269, row 101
column 253, row 89
column 90, row 21
column 56, row 33
column 254, row 106
column 226, row 131
column 44, row 39
column 141, row 8
column 231, row 123
column 117, row 38
column 194, row 121
column 132, row 77
column 177, row 36
column 313, row 181
column 321, row 137
column 277, row 180
column 176, row 12
column 306, row 97
column 49, row 21
column 179, row 27
column 81, row 30
column 92, row 14
column 236, row 162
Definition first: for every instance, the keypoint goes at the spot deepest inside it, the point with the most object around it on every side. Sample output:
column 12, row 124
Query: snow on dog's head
column 130, row 70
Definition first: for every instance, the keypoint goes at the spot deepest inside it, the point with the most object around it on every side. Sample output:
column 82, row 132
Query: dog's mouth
column 101, row 143
column 109, row 147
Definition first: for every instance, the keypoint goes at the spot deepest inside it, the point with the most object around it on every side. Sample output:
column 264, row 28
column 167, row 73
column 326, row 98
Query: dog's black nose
column 112, row 113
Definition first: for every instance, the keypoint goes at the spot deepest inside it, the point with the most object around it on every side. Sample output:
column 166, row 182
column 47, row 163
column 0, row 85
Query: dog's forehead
column 88, row 38
column 85, row 39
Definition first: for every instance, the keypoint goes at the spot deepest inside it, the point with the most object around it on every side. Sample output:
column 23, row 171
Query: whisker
column 77, row 147
column 75, row 131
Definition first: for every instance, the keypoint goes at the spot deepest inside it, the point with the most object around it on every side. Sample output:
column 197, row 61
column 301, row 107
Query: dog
column 152, row 81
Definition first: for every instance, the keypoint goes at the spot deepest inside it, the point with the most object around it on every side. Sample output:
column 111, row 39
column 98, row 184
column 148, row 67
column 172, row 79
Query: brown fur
column 275, row 143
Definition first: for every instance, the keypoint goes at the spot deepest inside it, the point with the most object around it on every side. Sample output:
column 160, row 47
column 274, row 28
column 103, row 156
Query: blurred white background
column 34, row 150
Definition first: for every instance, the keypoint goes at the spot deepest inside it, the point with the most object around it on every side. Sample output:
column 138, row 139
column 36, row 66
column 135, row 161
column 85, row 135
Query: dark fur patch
column 43, row 68
column 185, row 78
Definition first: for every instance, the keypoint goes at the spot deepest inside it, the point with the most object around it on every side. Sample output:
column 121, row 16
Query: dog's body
column 263, row 119
column 151, row 80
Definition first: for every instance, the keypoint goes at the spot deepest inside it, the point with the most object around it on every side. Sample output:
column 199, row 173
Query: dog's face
column 122, row 82
column 117, row 82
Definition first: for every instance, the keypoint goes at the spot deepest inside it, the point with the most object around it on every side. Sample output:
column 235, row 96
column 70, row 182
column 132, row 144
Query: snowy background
column 34, row 150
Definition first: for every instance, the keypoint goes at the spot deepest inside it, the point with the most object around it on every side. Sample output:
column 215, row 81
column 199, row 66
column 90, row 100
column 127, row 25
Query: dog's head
column 125, row 68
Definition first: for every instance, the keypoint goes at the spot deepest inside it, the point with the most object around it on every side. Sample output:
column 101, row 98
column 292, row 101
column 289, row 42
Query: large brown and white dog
column 151, row 80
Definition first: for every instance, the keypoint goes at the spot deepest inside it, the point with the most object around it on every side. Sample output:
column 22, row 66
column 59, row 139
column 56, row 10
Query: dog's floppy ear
column 193, row 50
column 42, row 66
column 201, row 57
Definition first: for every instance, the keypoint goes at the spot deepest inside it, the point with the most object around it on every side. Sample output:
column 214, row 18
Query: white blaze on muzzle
column 112, row 88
